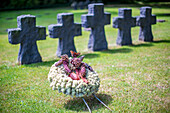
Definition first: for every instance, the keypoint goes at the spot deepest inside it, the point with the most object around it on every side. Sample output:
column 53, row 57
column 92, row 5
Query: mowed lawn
column 133, row 78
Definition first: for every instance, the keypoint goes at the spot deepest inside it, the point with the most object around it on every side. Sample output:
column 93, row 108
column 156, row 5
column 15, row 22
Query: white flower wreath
column 60, row 81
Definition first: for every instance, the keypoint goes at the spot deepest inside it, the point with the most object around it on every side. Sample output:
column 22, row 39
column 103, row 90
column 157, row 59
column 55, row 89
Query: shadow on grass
column 87, row 56
column 91, row 55
column 77, row 104
column 162, row 14
column 50, row 63
column 94, row 55
column 119, row 50
column 161, row 41
column 45, row 63
column 142, row 45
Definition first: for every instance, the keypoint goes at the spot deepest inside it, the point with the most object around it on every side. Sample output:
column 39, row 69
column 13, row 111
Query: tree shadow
column 94, row 55
column 162, row 14
column 161, row 41
column 150, row 44
column 91, row 55
column 143, row 45
column 77, row 104
column 45, row 63
column 119, row 50
column 50, row 63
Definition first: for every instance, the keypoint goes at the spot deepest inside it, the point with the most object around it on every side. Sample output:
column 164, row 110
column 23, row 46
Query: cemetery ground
column 133, row 78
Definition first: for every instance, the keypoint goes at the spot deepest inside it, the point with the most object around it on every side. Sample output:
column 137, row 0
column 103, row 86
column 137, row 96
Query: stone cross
column 124, row 22
column 96, row 19
column 27, row 34
column 65, row 30
column 145, row 20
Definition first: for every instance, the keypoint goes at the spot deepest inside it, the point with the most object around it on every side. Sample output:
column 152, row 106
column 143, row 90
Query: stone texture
column 124, row 22
column 96, row 19
column 65, row 30
column 27, row 34
column 145, row 20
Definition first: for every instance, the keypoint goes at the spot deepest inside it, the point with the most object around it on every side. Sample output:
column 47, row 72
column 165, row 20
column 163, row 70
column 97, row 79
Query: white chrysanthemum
column 60, row 81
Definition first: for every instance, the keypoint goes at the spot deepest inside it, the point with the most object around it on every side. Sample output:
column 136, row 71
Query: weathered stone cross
column 27, row 34
column 96, row 19
column 145, row 20
column 65, row 30
column 124, row 22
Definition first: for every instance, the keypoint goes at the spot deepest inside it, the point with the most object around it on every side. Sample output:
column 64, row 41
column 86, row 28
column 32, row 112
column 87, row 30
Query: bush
column 22, row 4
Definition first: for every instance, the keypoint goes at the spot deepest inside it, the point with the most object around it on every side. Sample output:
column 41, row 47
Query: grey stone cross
column 124, row 22
column 145, row 20
column 96, row 19
column 27, row 34
column 65, row 30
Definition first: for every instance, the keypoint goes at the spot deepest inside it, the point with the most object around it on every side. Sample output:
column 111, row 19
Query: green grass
column 133, row 78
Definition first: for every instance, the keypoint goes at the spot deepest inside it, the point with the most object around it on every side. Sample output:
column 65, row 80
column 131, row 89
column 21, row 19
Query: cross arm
column 86, row 20
column 41, row 32
column 77, row 29
column 55, row 30
column 107, row 17
column 117, row 22
column 140, row 20
column 14, row 36
column 153, row 19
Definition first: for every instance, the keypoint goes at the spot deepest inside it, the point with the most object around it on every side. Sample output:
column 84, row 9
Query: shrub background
column 29, row 4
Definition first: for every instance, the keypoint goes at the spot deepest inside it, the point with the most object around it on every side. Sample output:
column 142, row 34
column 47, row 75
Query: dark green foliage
column 32, row 4
column 153, row 0
column 22, row 4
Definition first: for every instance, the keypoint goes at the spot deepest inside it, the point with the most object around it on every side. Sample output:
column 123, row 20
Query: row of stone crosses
column 28, row 33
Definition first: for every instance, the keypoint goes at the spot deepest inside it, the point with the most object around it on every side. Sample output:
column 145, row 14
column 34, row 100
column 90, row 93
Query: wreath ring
column 60, row 80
